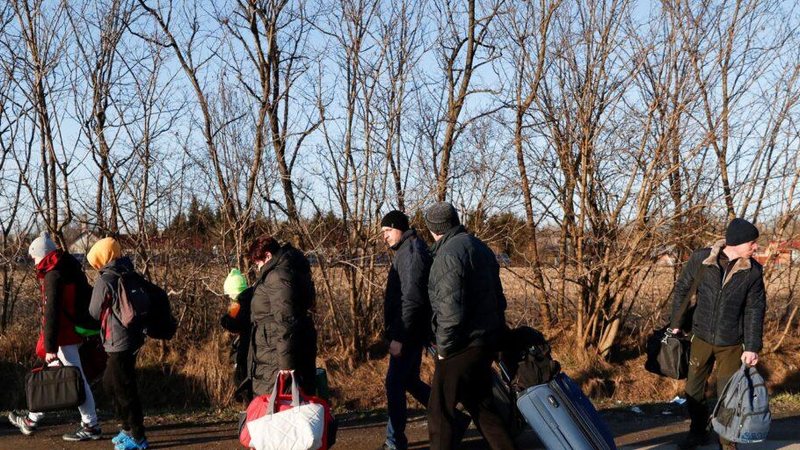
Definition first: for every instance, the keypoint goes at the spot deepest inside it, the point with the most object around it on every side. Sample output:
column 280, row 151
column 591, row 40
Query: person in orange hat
column 121, row 344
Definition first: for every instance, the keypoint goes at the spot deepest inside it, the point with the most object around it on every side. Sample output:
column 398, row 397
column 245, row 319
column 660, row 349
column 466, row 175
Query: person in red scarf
column 62, row 280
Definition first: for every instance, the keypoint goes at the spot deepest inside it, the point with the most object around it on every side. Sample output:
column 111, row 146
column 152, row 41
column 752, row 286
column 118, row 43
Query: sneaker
column 694, row 440
column 118, row 438
column 84, row 433
column 128, row 442
column 20, row 420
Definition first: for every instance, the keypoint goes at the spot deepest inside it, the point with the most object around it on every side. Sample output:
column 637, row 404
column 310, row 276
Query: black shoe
column 694, row 440
column 461, row 426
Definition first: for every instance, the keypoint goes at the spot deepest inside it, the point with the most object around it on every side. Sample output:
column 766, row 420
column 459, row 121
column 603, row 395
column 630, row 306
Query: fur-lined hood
column 742, row 264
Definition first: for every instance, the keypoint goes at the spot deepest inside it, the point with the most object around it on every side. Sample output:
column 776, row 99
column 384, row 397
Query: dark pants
column 402, row 377
column 465, row 378
column 119, row 382
column 701, row 361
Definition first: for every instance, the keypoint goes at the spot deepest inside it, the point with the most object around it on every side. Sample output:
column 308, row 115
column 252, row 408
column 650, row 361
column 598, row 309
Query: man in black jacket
column 407, row 315
column 468, row 316
column 728, row 319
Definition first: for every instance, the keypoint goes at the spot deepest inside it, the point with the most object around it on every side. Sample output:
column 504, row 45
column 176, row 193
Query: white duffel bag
column 300, row 427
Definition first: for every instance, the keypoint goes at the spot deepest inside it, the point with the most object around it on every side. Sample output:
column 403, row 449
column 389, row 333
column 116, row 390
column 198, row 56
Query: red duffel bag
column 281, row 400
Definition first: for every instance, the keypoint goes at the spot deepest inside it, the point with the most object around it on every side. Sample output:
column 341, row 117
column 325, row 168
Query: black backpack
column 142, row 305
column 527, row 359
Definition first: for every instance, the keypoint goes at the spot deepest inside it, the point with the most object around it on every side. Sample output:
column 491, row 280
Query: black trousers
column 465, row 378
column 119, row 382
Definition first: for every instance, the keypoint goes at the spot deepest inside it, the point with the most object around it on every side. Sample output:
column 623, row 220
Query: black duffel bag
column 668, row 354
column 51, row 388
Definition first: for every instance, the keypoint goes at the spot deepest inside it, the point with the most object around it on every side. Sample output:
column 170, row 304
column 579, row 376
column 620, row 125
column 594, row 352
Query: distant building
column 665, row 256
column 83, row 243
column 780, row 254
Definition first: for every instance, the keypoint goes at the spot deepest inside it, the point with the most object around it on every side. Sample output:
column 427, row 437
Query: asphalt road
column 650, row 429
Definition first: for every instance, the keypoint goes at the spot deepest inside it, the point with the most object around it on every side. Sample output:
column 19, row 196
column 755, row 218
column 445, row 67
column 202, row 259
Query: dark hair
column 261, row 246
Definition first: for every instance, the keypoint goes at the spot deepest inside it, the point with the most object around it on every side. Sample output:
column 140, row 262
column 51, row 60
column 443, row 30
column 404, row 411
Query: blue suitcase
column 563, row 417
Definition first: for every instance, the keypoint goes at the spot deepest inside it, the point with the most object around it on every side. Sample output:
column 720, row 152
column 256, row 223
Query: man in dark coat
column 283, row 335
column 468, row 317
column 407, row 315
column 728, row 318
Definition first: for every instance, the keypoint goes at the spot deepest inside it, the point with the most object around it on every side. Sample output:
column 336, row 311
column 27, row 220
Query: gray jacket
column 466, row 293
column 116, row 338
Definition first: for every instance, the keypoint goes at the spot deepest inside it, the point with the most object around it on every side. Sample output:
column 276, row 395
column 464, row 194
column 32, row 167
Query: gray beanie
column 441, row 217
column 41, row 247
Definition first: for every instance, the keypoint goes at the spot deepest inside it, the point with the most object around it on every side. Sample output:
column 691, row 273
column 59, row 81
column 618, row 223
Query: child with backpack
column 121, row 343
column 64, row 292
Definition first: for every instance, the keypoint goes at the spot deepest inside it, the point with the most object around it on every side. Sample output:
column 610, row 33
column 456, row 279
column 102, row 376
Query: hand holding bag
column 668, row 354
column 291, row 422
column 51, row 388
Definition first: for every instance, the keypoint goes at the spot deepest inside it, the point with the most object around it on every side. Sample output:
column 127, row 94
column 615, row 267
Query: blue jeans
column 402, row 377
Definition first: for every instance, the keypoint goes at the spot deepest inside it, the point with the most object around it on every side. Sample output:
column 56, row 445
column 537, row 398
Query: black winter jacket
column 729, row 311
column 283, row 335
column 406, row 308
column 466, row 293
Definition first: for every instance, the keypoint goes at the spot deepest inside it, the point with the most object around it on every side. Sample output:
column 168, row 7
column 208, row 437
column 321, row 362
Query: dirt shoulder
column 650, row 428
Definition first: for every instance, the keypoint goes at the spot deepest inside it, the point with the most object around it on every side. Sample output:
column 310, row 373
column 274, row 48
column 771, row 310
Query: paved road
column 649, row 430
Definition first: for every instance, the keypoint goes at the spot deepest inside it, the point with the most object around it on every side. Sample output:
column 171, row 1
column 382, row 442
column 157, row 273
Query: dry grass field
column 194, row 370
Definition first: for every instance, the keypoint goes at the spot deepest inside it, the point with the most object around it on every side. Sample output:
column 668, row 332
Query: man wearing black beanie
column 407, row 318
column 727, row 322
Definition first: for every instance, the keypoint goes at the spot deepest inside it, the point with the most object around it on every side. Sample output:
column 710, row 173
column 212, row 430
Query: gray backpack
column 742, row 412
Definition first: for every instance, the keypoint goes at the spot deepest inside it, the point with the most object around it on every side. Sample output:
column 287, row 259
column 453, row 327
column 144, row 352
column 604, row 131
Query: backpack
column 142, row 305
column 526, row 358
column 742, row 412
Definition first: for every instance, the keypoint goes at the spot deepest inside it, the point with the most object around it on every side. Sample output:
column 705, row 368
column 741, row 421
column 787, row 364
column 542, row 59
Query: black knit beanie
column 395, row 219
column 740, row 231
column 441, row 217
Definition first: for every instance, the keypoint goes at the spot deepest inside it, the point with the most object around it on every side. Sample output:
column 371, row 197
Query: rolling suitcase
column 563, row 417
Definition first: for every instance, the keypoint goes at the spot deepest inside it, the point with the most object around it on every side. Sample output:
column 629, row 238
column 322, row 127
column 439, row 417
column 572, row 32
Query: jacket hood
column 119, row 265
column 48, row 263
column 406, row 235
column 446, row 237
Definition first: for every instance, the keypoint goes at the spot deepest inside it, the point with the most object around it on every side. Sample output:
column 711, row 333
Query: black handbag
column 668, row 354
column 51, row 388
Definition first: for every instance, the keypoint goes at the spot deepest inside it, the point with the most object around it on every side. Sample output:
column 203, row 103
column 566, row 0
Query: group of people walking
column 447, row 298
column 64, row 285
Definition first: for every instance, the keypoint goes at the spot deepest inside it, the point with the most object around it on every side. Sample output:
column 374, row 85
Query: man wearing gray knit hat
column 468, row 316
column 727, row 322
